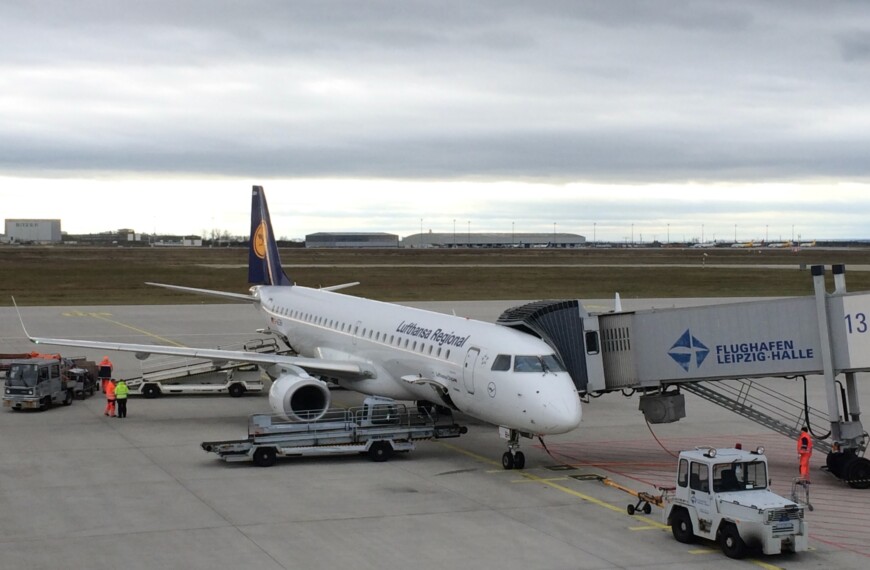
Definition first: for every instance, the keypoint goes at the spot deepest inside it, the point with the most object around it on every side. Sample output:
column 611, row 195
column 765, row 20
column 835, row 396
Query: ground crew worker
column 110, row 398
column 105, row 373
column 805, row 450
column 121, row 391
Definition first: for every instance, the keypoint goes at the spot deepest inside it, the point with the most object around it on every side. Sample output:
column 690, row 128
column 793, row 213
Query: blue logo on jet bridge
column 685, row 348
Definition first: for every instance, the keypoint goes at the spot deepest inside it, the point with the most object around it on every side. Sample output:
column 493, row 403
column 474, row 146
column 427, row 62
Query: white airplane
column 493, row 373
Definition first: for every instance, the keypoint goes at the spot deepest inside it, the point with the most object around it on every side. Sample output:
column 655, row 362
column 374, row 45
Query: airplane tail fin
column 264, row 265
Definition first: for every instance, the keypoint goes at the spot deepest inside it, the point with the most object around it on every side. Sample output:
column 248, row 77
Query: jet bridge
column 717, row 351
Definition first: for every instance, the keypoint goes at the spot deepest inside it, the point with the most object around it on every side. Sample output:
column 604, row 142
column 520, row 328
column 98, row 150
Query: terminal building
column 466, row 239
column 33, row 231
column 351, row 239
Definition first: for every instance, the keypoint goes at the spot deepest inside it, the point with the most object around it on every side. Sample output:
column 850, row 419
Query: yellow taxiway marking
column 647, row 527
column 534, row 478
column 105, row 317
column 703, row 551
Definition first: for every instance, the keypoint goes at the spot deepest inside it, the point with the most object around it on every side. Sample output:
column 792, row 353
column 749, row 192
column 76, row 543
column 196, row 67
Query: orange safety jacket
column 805, row 444
column 110, row 390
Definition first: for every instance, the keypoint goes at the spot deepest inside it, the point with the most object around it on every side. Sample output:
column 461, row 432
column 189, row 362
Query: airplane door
column 357, row 330
column 468, row 369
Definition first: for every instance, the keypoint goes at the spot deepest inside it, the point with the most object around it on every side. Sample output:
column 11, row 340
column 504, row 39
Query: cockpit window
column 546, row 363
column 528, row 364
column 552, row 364
column 502, row 362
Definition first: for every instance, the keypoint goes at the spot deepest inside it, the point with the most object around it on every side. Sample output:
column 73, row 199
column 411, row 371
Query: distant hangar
column 32, row 231
column 466, row 239
column 442, row 240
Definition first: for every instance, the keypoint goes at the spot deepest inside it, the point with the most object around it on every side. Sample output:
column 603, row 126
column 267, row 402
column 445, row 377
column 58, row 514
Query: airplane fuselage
column 412, row 354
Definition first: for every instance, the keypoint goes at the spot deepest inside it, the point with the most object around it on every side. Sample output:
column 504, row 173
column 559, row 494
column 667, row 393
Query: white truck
column 378, row 428
column 723, row 495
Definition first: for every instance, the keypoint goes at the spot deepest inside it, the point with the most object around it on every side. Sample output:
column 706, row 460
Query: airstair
column 758, row 402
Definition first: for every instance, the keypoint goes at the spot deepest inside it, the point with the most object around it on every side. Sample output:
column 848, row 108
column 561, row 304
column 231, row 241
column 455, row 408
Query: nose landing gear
column 513, row 458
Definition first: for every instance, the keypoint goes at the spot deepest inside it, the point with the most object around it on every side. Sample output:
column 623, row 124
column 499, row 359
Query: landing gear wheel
column 681, row 527
column 380, row 451
column 150, row 391
column 237, row 390
column 69, row 398
column 507, row 460
column 265, row 457
column 519, row 460
column 858, row 473
column 732, row 545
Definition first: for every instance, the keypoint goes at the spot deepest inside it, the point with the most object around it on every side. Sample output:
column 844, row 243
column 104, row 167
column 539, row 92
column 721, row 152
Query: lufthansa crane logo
column 259, row 244
column 688, row 349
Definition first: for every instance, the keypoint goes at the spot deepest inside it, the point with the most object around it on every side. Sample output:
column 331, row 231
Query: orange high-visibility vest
column 110, row 390
column 805, row 443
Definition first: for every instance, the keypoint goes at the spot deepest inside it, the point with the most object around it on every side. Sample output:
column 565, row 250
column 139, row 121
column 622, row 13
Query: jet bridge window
column 592, row 344
column 502, row 363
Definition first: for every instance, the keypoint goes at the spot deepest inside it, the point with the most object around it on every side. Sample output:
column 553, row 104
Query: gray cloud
column 602, row 91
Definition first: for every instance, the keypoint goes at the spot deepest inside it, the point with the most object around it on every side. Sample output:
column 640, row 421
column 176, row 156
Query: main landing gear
column 513, row 458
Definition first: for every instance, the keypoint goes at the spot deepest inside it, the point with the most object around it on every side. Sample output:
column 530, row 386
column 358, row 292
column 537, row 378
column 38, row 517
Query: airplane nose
column 564, row 413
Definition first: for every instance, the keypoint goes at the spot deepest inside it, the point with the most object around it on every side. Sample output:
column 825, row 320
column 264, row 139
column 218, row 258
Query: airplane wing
column 347, row 370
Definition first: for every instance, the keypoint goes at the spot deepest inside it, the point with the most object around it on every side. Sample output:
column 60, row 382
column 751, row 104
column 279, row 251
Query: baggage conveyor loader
column 378, row 428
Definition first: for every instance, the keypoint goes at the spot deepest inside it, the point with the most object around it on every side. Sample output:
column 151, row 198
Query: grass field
column 112, row 276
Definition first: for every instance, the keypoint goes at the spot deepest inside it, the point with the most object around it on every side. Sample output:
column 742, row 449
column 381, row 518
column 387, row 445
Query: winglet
column 21, row 320
column 264, row 265
column 617, row 304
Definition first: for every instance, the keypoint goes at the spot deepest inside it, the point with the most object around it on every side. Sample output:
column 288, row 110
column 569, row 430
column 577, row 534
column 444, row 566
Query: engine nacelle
column 299, row 397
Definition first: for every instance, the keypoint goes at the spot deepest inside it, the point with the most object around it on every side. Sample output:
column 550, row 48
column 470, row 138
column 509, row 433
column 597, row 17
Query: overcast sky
column 620, row 118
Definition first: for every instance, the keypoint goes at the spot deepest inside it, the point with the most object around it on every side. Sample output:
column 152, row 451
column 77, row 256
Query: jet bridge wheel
column 858, row 473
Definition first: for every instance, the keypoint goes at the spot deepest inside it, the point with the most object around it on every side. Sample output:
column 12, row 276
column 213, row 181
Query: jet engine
column 297, row 396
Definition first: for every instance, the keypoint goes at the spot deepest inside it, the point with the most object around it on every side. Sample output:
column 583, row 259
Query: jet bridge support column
column 818, row 272
column 847, row 433
column 854, row 411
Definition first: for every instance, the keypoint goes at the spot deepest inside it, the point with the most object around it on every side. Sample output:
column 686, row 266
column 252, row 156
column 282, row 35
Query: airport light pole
column 421, row 233
column 454, row 233
column 469, row 233
column 512, row 234
column 594, row 224
column 669, row 234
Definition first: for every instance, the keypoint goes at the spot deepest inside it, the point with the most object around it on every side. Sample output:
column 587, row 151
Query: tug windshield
column 22, row 375
column 739, row 476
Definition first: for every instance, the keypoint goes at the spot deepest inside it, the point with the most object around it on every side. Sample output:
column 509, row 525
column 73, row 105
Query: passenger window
column 502, row 363
column 43, row 374
column 683, row 473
